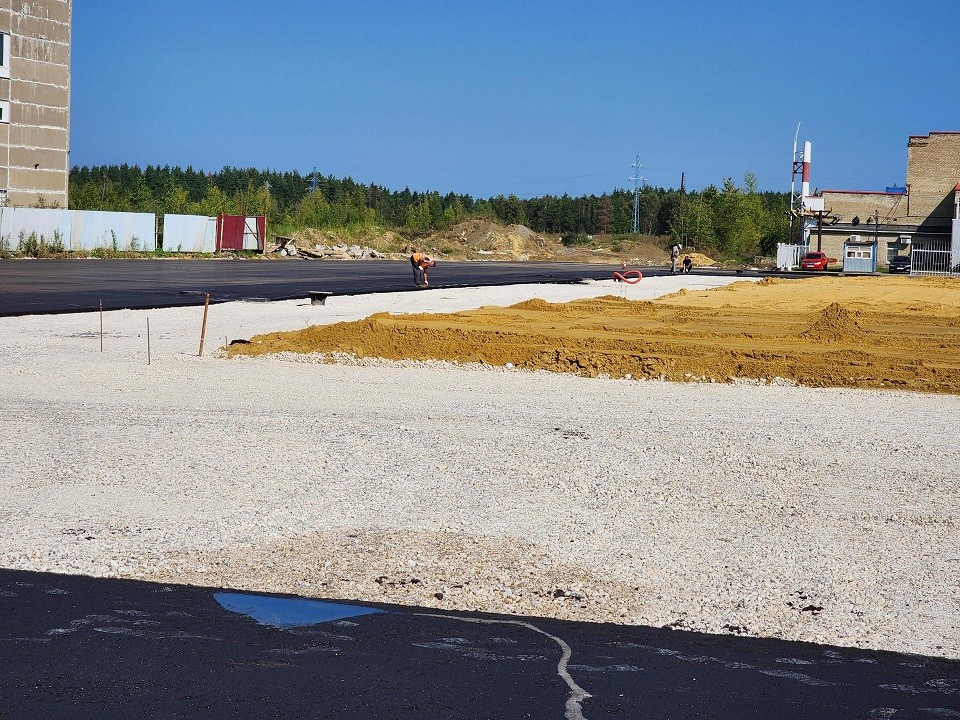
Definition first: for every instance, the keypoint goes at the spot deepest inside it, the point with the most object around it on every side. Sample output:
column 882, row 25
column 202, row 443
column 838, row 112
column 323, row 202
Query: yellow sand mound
column 699, row 259
column 857, row 332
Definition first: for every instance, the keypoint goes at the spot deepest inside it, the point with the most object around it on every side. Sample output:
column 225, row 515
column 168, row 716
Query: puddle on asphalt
column 289, row 612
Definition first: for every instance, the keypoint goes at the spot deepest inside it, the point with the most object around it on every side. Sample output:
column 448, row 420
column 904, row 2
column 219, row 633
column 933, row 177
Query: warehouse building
column 920, row 219
column 34, row 102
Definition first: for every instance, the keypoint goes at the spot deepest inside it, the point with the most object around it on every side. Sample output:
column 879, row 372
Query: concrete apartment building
column 34, row 102
column 924, row 216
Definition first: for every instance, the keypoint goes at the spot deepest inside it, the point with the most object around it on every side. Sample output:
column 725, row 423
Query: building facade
column 35, row 102
column 919, row 219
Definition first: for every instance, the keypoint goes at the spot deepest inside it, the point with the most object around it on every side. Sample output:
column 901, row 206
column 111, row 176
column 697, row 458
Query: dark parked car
column 900, row 264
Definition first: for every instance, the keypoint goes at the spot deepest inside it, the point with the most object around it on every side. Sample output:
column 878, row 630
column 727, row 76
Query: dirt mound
column 835, row 324
column 483, row 239
column 534, row 304
column 826, row 332
column 699, row 259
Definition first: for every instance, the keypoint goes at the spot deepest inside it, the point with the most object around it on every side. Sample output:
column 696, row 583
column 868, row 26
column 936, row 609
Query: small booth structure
column 236, row 232
column 859, row 256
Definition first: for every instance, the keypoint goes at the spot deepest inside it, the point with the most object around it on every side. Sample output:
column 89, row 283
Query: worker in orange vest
column 420, row 263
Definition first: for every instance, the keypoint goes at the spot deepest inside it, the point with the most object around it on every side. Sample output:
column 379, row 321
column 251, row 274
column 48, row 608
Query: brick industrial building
column 921, row 219
column 34, row 102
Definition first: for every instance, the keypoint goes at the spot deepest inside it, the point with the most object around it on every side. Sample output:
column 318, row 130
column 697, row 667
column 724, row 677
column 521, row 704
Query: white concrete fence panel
column 18, row 224
column 93, row 229
column 78, row 229
column 189, row 233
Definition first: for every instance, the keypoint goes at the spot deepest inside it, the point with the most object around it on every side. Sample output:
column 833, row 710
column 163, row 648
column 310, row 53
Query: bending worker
column 420, row 263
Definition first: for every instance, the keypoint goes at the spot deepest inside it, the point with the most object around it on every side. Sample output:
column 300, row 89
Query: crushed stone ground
column 818, row 514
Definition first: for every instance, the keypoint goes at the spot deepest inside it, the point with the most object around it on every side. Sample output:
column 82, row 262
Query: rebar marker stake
column 101, row 325
column 148, row 340
column 203, row 328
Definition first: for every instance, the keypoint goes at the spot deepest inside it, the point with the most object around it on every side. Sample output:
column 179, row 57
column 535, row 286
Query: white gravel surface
column 808, row 514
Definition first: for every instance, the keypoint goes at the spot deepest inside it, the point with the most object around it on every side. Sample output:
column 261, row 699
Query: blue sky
column 515, row 97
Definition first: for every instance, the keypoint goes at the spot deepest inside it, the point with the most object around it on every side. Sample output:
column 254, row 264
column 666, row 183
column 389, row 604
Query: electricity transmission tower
column 636, row 179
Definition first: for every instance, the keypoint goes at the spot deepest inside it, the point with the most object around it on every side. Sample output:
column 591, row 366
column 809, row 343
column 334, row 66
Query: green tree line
column 737, row 220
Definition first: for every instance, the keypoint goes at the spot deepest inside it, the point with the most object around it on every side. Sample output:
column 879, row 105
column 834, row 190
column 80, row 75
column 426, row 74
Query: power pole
column 820, row 215
column 636, row 178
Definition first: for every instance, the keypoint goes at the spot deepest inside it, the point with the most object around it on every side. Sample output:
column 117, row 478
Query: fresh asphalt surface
column 75, row 647
column 54, row 286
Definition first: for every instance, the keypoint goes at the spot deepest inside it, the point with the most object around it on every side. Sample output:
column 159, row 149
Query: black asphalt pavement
column 28, row 287
column 75, row 647
column 53, row 286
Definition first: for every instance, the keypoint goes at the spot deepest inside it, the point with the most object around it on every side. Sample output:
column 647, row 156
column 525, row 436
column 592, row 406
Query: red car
column 815, row 261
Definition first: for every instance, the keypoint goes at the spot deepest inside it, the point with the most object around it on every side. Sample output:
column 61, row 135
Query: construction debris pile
column 288, row 247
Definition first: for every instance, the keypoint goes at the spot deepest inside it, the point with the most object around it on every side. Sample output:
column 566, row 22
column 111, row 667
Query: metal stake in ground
column 148, row 340
column 203, row 328
column 101, row 325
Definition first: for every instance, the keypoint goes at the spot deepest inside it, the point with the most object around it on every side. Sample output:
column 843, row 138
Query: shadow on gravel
column 79, row 647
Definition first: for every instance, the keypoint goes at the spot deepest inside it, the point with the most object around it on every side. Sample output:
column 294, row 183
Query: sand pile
column 838, row 332
column 699, row 259
column 836, row 324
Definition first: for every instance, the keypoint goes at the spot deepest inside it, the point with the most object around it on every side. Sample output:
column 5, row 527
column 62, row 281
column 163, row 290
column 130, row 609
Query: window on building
column 4, row 111
column 4, row 55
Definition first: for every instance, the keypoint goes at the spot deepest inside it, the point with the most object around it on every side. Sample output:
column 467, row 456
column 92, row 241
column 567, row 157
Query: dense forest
column 736, row 220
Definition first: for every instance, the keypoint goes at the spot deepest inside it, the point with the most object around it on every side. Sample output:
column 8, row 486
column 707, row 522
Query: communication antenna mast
column 313, row 182
column 636, row 179
column 796, row 201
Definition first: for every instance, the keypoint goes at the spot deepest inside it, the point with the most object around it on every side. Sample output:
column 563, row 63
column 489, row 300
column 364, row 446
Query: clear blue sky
column 515, row 97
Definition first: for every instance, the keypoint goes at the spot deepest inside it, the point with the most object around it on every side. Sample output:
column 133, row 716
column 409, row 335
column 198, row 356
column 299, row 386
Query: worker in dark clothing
column 420, row 263
column 687, row 264
column 417, row 270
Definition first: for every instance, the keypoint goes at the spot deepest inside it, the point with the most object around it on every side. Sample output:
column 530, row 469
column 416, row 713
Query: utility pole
column 820, row 215
column 636, row 178
column 876, row 229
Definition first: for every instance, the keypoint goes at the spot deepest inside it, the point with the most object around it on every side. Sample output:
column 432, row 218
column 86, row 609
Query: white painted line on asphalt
column 577, row 694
